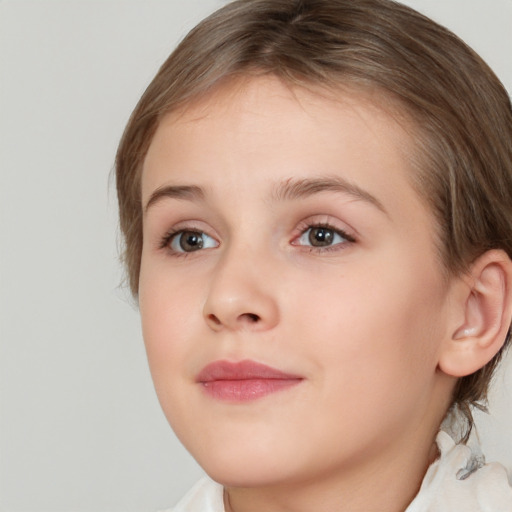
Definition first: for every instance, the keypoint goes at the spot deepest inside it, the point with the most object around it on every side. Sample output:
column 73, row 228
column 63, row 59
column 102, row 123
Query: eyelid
column 328, row 222
column 163, row 242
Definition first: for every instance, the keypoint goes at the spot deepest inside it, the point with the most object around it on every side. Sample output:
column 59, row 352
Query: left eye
column 321, row 236
column 190, row 241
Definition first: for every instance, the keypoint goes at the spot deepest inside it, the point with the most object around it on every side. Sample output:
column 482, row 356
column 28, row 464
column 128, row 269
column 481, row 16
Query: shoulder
column 461, row 480
column 205, row 496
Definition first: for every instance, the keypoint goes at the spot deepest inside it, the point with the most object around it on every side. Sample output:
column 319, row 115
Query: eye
column 323, row 236
column 190, row 241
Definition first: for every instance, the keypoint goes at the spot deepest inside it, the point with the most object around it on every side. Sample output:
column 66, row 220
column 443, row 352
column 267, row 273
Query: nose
column 242, row 295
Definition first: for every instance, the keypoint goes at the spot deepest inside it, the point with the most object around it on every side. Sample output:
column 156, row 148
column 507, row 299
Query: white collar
column 460, row 480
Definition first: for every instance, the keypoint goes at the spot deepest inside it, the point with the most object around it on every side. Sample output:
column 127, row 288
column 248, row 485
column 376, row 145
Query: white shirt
column 458, row 481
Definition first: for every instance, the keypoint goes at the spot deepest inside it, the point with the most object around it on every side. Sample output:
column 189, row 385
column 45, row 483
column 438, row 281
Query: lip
column 243, row 381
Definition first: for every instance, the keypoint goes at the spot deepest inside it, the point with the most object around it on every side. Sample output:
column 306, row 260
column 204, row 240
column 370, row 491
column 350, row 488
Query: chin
column 241, row 470
column 246, row 477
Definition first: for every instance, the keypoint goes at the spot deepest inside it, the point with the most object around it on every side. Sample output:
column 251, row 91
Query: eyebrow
column 293, row 189
column 188, row 192
column 289, row 190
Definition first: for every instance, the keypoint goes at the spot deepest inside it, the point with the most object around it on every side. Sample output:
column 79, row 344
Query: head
column 419, row 73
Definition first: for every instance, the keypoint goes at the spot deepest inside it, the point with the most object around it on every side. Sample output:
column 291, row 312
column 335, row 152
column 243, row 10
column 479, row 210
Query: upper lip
column 241, row 370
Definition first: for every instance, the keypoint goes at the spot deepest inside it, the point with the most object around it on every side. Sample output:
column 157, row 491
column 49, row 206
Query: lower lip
column 246, row 390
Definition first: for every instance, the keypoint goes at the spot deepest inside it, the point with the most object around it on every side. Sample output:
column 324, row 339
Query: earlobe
column 487, row 313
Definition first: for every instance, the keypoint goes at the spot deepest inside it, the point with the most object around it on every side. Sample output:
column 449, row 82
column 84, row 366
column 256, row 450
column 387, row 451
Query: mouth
column 243, row 381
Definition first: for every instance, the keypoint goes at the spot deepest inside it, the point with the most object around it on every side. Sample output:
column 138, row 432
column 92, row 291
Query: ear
column 479, row 332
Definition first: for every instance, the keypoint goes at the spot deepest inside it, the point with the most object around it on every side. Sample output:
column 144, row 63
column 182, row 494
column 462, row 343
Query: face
column 293, row 307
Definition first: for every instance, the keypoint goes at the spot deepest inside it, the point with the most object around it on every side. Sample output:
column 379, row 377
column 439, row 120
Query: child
column 316, row 199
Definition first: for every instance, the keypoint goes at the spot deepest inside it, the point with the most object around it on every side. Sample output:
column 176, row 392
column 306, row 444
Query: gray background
column 80, row 427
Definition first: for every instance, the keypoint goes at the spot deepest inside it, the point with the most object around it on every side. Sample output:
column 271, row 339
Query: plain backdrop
column 81, row 429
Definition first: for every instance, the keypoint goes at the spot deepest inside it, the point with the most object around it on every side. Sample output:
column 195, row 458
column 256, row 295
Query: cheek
column 169, row 309
column 379, row 327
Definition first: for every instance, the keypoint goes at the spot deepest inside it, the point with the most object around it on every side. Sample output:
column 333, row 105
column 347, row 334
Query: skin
column 363, row 321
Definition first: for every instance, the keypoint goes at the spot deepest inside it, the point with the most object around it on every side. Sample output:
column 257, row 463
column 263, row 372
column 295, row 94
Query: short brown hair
column 461, row 111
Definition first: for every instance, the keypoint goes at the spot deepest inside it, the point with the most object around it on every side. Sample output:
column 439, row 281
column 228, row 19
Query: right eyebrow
column 189, row 192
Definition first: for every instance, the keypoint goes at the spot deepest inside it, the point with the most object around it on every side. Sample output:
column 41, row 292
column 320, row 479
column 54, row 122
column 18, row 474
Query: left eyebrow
column 300, row 188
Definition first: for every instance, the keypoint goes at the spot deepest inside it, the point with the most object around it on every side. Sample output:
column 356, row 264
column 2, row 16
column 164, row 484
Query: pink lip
column 243, row 381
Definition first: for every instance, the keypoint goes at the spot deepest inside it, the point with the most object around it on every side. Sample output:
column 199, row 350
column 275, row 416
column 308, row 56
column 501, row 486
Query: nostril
column 214, row 319
column 251, row 317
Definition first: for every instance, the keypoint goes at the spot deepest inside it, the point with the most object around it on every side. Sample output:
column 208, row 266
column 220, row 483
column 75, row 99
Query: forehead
column 270, row 96
column 270, row 123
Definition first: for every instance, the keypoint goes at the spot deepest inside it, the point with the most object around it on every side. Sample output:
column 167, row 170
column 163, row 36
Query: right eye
column 190, row 241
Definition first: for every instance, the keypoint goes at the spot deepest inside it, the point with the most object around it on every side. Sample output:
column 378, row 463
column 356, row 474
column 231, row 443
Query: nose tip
column 238, row 300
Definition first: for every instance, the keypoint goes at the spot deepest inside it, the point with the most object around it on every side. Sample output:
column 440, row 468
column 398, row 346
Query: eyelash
column 168, row 238
column 304, row 228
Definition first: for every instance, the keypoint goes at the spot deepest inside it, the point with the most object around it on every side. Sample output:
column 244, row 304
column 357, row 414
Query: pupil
column 191, row 241
column 320, row 237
